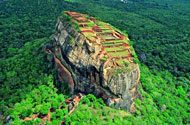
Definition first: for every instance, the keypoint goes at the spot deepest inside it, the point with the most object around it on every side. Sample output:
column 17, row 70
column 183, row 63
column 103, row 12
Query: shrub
column 45, row 108
column 53, row 116
column 96, row 105
column 38, row 108
column 59, row 113
column 55, row 103
column 85, row 100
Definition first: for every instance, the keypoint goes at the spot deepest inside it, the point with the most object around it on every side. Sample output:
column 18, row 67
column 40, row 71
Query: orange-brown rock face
column 95, row 58
column 64, row 74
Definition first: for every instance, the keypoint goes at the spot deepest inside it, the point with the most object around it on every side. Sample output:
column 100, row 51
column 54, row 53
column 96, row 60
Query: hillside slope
column 159, row 29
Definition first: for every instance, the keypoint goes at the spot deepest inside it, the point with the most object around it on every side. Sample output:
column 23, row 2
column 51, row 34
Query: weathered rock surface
column 79, row 67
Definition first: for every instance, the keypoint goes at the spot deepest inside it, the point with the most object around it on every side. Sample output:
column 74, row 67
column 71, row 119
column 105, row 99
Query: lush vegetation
column 162, row 102
column 43, row 101
column 159, row 29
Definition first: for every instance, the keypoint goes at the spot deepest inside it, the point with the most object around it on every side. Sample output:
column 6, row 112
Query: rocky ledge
column 94, row 57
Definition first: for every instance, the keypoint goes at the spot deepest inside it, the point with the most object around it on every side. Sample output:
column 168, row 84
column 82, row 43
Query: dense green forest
column 161, row 33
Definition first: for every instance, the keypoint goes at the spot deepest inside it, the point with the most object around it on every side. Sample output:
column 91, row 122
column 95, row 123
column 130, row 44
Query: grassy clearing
column 115, row 48
column 115, row 41
column 107, row 31
column 89, row 35
column 119, row 54
column 102, row 26
column 90, row 24
column 112, row 44
column 121, row 61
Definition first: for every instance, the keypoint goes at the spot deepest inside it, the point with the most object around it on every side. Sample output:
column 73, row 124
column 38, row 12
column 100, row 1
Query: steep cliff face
column 89, row 60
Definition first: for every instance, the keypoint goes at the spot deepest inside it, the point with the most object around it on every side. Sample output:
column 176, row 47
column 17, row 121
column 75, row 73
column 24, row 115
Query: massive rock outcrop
column 93, row 57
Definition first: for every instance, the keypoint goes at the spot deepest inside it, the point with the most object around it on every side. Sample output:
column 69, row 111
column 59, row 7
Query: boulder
column 79, row 63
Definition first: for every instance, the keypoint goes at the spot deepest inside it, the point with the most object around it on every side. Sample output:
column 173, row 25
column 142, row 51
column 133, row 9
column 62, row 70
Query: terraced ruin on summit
column 108, row 42
column 92, row 56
